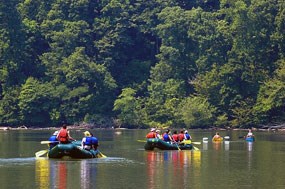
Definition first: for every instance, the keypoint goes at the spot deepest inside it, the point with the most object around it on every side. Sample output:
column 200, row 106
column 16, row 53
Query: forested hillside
column 142, row 63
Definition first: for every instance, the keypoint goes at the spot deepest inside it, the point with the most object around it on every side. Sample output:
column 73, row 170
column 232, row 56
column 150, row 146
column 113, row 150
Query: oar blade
column 196, row 142
column 48, row 142
column 100, row 155
column 41, row 153
column 195, row 148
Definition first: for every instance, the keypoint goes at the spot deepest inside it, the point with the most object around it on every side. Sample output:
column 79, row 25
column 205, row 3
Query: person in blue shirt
column 53, row 140
column 94, row 142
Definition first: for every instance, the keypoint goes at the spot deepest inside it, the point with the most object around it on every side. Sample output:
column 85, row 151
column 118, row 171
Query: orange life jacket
column 151, row 135
column 181, row 136
column 62, row 135
column 175, row 137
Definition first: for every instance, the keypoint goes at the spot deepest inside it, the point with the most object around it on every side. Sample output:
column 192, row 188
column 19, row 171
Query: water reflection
column 42, row 173
column 62, row 175
column 227, row 145
column 87, row 174
column 249, row 155
column 172, row 164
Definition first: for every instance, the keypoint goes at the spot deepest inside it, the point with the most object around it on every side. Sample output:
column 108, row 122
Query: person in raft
column 249, row 134
column 158, row 135
column 53, row 140
column 167, row 136
column 151, row 134
column 94, row 142
column 86, row 142
column 216, row 137
column 63, row 135
column 181, row 136
column 175, row 137
column 187, row 136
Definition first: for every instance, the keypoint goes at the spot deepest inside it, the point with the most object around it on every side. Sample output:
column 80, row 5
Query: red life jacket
column 151, row 135
column 181, row 137
column 62, row 135
column 175, row 137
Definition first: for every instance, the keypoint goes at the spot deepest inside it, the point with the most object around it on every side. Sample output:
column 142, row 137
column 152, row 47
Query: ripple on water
column 5, row 162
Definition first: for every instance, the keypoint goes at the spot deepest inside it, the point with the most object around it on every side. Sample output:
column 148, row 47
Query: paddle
column 141, row 140
column 41, row 153
column 189, row 142
column 48, row 142
column 227, row 137
column 101, row 155
column 195, row 148
column 177, row 146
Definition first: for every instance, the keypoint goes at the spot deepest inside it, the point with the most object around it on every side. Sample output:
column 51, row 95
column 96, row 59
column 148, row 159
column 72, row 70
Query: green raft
column 153, row 143
column 73, row 150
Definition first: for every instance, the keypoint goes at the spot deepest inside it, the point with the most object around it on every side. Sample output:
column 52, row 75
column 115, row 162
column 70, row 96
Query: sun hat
column 152, row 129
column 86, row 133
column 157, row 131
column 55, row 133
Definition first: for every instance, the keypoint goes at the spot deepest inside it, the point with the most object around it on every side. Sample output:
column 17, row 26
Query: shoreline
column 88, row 127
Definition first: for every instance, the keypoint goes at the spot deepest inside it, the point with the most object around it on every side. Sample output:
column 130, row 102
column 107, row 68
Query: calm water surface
column 237, row 164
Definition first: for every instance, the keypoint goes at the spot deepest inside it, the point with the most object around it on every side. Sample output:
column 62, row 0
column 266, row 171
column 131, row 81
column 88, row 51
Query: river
column 235, row 164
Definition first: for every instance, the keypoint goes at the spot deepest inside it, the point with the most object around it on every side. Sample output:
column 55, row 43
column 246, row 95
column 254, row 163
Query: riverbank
column 280, row 127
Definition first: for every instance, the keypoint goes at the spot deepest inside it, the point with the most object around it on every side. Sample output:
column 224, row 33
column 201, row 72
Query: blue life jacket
column 166, row 137
column 187, row 136
column 52, row 139
column 94, row 141
column 88, row 141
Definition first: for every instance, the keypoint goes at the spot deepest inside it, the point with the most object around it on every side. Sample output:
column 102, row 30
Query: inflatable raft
column 153, row 143
column 73, row 150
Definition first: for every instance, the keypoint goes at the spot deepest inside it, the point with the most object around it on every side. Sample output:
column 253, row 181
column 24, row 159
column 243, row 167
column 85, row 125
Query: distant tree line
column 142, row 63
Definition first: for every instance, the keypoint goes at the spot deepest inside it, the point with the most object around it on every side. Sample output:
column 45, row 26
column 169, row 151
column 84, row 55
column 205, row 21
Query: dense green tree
column 195, row 111
column 270, row 104
column 127, row 105
column 36, row 102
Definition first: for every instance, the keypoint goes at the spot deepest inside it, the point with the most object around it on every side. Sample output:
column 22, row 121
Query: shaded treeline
column 142, row 63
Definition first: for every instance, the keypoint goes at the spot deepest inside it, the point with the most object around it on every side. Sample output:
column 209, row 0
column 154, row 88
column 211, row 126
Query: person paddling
column 167, row 136
column 249, row 134
column 53, row 140
column 63, row 136
column 86, row 141
column 151, row 134
column 94, row 142
column 217, row 137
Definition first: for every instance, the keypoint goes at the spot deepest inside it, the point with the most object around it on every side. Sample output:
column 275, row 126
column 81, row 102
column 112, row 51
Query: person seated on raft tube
column 181, row 136
column 151, row 134
column 63, row 135
column 53, row 140
column 86, row 142
column 249, row 134
column 216, row 136
column 187, row 136
column 167, row 136
column 94, row 142
column 158, row 135
column 175, row 137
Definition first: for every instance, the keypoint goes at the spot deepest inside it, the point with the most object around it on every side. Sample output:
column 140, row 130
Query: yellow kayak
column 217, row 139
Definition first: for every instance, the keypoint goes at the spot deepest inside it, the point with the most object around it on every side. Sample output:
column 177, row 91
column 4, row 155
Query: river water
column 235, row 164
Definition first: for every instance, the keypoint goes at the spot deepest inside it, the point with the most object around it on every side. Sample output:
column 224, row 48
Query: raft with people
column 73, row 150
column 61, row 144
column 154, row 143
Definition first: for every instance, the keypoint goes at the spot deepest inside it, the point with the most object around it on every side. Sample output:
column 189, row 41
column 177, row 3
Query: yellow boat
column 220, row 139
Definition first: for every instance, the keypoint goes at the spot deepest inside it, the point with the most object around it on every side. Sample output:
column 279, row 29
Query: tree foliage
column 156, row 63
